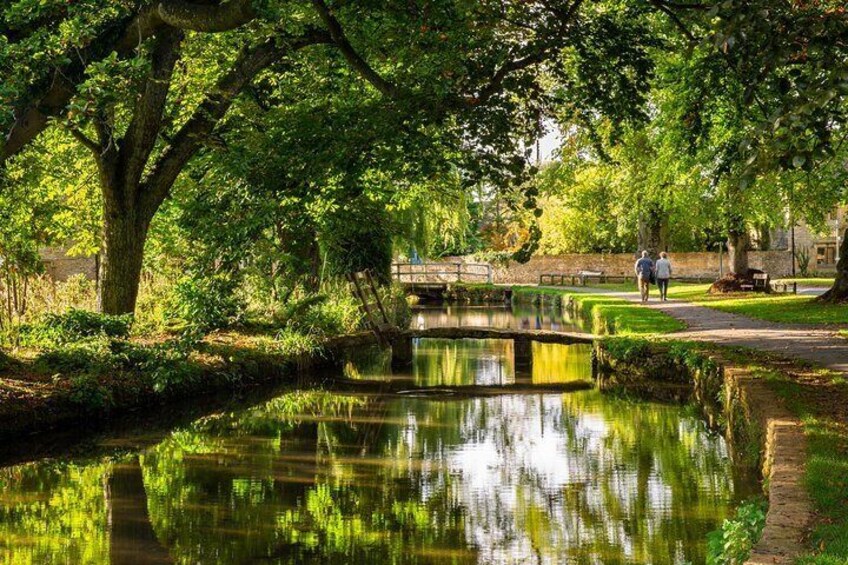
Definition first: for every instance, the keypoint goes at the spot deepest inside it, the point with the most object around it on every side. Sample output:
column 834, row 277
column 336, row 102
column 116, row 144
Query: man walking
column 644, row 269
column 663, row 272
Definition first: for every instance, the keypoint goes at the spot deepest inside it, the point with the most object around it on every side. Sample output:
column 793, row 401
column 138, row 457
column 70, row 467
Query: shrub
column 166, row 364
column 88, row 392
column 395, row 301
column 732, row 544
column 294, row 343
column 89, row 356
column 206, row 303
column 75, row 325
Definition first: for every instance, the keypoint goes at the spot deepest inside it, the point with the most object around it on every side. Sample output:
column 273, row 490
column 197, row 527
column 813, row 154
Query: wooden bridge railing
column 412, row 273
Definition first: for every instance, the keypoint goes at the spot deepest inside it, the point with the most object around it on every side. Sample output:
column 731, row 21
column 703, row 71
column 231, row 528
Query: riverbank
column 100, row 379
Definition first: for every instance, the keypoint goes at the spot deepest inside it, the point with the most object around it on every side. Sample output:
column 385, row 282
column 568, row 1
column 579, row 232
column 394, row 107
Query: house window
column 826, row 255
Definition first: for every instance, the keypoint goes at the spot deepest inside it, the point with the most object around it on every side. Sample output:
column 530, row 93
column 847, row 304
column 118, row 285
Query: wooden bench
column 760, row 283
column 584, row 275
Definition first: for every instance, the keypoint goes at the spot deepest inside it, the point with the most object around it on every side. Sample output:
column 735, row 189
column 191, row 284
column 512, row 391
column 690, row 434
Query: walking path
column 808, row 343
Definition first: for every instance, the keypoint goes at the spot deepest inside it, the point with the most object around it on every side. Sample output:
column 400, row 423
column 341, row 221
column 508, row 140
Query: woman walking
column 663, row 272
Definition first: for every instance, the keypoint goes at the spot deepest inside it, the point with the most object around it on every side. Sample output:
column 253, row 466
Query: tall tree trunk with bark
column 738, row 245
column 133, row 189
column 653, row 232
column 839, row 291
column 120, row 270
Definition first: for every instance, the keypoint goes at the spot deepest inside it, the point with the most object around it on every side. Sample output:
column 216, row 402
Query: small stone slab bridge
column 523, row 339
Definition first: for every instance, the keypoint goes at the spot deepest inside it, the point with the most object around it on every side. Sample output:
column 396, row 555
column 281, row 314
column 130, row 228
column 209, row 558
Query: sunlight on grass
column 783, row 308
column 609, row 314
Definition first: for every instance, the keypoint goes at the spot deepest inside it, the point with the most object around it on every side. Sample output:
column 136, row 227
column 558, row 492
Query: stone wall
column 701, row 265
column 59, row 266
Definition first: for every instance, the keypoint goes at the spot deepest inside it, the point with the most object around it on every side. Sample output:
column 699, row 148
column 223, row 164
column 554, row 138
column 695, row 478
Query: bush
column 87, row 391
column 166, row 364
column 395, row 301
column 75, row 325
column 294, row 343
column 206, row 303
column 89, row 356
column 334, row 316
column 732, row 544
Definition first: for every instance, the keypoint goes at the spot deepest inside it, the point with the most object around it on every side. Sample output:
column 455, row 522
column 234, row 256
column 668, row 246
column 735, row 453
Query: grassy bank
column 781, row 308
column 79, row 365
column 605, row 314
column 822, row 407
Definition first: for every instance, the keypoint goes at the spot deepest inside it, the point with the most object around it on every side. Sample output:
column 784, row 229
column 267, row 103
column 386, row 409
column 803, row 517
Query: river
column 317, row 476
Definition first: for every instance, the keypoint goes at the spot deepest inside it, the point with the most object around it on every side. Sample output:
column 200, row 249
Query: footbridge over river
column 522, row 339
column 431, row 280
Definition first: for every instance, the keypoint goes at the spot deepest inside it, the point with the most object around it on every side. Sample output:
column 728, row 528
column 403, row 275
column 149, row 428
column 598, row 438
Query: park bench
column 760, row 283
column 585, row 275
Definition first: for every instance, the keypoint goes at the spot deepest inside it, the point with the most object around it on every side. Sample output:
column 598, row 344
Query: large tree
column 144, row 84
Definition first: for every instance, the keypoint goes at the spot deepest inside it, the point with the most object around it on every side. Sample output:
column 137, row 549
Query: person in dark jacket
column 644, row 270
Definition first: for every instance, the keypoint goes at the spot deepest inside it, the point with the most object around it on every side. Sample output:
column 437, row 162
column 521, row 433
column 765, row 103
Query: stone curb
column 785, row 452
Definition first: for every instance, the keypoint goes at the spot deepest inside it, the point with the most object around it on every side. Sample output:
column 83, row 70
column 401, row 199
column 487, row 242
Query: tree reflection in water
column 322, row 477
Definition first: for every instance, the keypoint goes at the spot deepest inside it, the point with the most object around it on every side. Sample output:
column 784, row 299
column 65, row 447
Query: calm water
column 320, row 477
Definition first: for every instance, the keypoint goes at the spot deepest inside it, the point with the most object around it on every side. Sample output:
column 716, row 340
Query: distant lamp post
column 720, row 247
column 838, row 239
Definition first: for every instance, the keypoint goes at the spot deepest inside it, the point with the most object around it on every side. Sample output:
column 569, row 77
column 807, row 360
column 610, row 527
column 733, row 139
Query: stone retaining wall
column 701, row 265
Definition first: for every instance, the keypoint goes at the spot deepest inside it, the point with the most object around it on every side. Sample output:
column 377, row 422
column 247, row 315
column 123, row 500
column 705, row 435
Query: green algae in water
column 317, row 477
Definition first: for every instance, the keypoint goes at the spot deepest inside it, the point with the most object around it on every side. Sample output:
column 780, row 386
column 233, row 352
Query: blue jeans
column 663, row 286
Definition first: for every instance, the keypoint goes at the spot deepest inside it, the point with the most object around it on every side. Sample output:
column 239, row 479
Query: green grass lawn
column 609, row 314
column 782, row 308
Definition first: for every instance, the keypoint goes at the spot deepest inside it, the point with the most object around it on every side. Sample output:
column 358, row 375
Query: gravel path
column 809, row 343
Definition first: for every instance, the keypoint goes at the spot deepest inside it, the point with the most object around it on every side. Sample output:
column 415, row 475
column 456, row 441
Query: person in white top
column 662, row 268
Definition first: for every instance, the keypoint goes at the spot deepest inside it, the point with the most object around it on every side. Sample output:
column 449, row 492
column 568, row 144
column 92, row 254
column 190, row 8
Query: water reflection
column 316, row 477
column 484, row 362
column 516, row 316
column 319, row 477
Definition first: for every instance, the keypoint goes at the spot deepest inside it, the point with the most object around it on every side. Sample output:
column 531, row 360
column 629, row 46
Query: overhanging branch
column 52, row 97
column 205, row 17
column 214, row 106
column 353, row 58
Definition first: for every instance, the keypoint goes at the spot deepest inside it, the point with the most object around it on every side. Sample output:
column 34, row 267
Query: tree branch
column 497, row 79
column 51, row 98
column 666, row 9
column 89, row 143
column 218, row 100
column 353, row 58
column 146, row 121
column 208, row 18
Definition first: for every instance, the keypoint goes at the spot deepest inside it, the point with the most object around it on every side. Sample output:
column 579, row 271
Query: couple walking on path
column 648, row 272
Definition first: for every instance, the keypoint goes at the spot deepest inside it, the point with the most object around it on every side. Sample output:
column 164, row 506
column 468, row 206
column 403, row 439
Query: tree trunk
column 738, row 244
column 120, row 269
column 839, row 291
column 653, row 233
